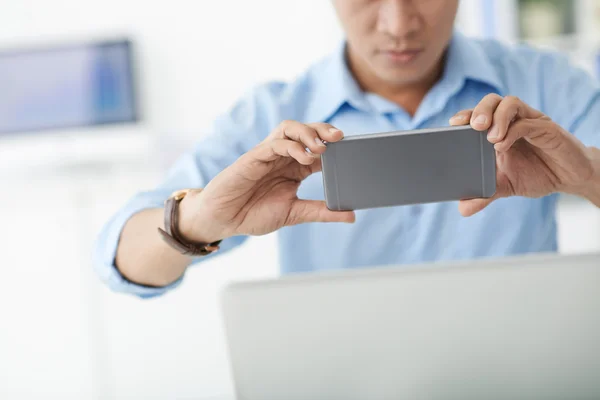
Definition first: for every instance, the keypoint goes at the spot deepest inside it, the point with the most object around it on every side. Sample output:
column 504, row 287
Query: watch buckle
column 180, row 194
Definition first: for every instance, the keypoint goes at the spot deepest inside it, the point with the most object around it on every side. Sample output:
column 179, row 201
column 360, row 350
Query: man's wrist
column 590, row 190
column 188, row 216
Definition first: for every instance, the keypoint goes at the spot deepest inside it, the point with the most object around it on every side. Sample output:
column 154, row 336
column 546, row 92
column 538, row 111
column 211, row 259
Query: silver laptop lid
column 518, row 328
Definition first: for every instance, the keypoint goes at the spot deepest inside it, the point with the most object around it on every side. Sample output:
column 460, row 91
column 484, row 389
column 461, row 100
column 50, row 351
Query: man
column 401, row 67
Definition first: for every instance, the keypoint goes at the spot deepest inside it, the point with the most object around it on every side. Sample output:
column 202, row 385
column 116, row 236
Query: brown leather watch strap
column 173, row 237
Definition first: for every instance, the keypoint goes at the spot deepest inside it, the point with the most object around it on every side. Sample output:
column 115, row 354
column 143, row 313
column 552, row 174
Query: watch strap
column 171, row 234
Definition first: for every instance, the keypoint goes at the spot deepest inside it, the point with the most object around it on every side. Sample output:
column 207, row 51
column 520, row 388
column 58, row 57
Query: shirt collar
column 467, row 60
column 335, row 86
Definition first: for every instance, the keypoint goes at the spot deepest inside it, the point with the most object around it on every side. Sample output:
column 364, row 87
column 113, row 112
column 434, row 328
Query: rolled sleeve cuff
column 105, row 249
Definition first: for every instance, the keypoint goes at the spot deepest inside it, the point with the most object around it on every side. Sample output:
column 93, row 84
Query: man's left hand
column 535, row 156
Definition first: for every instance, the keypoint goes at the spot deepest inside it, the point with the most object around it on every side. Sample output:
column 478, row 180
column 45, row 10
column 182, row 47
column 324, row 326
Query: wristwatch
column 171, row 234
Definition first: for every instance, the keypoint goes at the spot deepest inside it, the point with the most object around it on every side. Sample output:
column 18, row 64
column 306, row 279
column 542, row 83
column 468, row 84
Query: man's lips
column 403, row 56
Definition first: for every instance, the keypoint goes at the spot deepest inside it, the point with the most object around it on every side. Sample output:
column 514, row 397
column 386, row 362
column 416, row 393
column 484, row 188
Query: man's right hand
column 257, row 194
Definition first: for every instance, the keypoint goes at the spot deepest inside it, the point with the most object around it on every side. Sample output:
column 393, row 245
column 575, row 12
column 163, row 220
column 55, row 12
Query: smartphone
column 408, row 167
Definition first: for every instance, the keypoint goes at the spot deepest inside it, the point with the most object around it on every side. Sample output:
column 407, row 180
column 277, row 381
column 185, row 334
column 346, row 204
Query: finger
column 505, row 114
column 522, row 128
column 307, row 171
column 304, row 211
column 273, row 149
column 307, row 135
column 327, row 132
column 481, row 119
column 509, row 110
column 461, row 118
column 302, row 133
column 316, row 166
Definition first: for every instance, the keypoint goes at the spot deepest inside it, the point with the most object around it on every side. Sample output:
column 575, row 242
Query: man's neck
column 408, row 96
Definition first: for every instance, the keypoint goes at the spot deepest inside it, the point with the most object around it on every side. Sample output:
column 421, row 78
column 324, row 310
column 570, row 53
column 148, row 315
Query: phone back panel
column 408, row 167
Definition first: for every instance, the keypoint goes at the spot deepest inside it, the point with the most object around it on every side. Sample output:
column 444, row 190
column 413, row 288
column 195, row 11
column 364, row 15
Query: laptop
column 514, row 328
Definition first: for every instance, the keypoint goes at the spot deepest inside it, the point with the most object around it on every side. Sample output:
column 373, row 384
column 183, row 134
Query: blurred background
column 97, row 98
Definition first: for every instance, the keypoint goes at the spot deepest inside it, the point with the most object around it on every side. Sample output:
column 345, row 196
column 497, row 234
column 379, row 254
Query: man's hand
column 258, row 193
column 535, row 156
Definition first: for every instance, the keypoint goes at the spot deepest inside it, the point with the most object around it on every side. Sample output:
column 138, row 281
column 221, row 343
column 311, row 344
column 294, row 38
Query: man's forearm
column 143, row 257
column 591, row 190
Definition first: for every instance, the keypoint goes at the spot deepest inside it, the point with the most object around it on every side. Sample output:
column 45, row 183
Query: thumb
column 304, row 211
column 472, row 206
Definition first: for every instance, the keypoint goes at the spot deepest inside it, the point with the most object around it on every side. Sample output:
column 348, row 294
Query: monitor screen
column 70, row 86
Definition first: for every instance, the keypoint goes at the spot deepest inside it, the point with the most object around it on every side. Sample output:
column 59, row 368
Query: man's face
column 398, row 41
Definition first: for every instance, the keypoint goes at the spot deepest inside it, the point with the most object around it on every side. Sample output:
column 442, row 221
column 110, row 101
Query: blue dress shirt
column 327, row 92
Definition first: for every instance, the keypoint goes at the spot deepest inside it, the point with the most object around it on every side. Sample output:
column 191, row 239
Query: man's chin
column 404, row 77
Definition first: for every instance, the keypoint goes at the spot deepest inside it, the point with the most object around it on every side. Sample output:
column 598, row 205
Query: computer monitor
column 67, row 86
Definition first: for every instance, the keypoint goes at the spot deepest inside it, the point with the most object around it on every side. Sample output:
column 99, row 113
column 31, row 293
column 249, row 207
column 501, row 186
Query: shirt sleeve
column 233, row 134
column 571, row 97
column 587, row 126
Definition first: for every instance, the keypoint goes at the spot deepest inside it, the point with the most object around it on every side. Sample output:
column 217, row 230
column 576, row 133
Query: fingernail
column 319, row 142
column 493, row 133
column 457, row 118
column 480, row 120
column 335, row 130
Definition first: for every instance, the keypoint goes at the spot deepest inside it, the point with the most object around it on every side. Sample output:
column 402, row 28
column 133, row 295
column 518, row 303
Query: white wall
column 62, row 334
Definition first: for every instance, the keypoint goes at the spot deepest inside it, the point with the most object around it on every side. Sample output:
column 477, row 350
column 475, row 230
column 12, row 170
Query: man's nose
column 398, row 18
